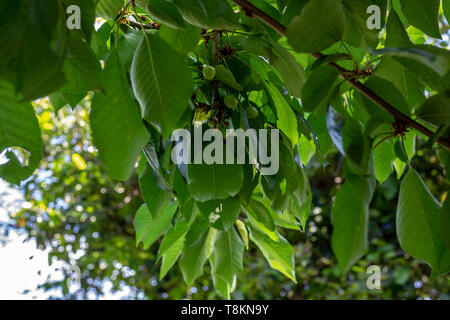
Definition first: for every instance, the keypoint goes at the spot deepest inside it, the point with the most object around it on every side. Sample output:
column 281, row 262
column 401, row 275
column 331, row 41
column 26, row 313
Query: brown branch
column 138, row 25
column 399, row 116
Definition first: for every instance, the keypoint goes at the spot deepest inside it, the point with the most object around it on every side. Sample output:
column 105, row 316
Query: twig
column 399, row 116
column 138, row 25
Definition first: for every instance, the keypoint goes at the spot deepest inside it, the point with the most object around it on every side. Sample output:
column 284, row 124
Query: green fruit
column 231, row 102
column 252, row 112
column 209, row 72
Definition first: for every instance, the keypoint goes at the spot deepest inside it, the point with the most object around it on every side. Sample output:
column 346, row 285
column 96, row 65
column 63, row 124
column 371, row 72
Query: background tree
column 359, row 120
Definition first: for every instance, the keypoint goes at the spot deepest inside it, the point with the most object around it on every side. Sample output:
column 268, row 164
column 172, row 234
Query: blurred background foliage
column 84, row 218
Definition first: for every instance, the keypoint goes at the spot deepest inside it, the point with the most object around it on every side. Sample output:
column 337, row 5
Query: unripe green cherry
column 209, row 72
column 231, row 102
column 252, row 112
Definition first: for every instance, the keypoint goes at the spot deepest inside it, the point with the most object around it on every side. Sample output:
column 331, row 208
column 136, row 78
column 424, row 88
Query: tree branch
column 138, row 25
column 399, row 116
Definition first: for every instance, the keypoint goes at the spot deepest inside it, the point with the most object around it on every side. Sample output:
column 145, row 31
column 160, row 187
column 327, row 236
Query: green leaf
column 403, row 79
column 418, row 224
column 287, row 121
column 423, row 14
column 320, row 24
column 173, row 235
column 155, row 197
column 208, row 14
column 222, row 286
column 293, row 9
column 165, row 12
column 152, row 159
column 228, row 255
column 428, row 64
column 222, row 214
column 436, row 110
column 149, row 228
column 388, row 92
column 184, row 198
column 437, row 63
column 162, row 83
column 19, row 130
column 109, row 9
column 127, row 45
column 301, row 199
column 260, row 217
column 27, row 59
column 198, row 247
column 226, row 77
column 117, row 128
column 82, row 70
column 396, row 34
column 87, row 19
column 242, row 228
column 350, row 214
column 446, row 5
column 356, row 146
column 280, row 255
column 183, row 41
column 356, row 22
column 384, row 157
column 172, row 246
column 317, row 89
column 290, row 70
column 444, row 222
column 215, row 181
column 392, row 70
